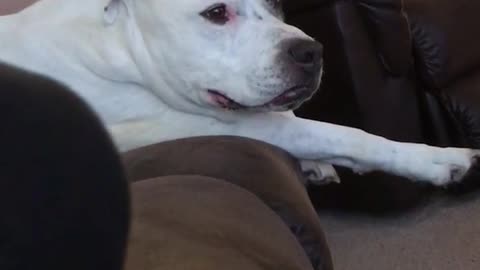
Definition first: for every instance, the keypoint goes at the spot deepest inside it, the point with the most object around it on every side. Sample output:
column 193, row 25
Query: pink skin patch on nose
column 232, row 14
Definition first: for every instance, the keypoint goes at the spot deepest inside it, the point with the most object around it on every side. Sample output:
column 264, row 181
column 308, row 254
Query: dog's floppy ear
column 113, row 10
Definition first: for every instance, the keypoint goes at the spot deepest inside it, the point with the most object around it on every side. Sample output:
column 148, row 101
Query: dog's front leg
column 312, row 140
column 358, row 150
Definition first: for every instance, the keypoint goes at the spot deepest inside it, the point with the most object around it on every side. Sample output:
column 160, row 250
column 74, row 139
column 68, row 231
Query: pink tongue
column 285, row 97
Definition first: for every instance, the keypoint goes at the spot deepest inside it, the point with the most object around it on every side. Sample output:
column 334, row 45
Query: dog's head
column 230, row 54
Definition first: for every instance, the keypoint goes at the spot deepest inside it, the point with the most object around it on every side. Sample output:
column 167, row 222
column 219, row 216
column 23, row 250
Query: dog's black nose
column 307, row 54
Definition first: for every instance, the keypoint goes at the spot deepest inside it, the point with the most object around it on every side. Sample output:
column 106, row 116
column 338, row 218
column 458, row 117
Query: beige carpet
column 441, row 236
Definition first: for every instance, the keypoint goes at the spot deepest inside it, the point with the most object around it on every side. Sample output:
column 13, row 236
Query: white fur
column 145, row 65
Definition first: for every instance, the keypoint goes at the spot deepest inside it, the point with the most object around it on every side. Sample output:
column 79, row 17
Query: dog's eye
column 217, row 14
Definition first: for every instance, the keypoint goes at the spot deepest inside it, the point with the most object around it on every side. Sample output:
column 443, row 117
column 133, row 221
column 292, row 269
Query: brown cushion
column 201, row 223
column 266, row 171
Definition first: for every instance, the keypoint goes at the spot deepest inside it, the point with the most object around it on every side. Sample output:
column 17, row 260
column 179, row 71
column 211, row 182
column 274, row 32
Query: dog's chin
column 290, row 99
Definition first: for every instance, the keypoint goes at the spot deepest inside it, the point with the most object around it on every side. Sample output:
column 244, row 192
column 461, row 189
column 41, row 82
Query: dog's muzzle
column 304, row 57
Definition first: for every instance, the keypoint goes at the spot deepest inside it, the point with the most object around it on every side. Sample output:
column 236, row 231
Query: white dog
column 156, row 70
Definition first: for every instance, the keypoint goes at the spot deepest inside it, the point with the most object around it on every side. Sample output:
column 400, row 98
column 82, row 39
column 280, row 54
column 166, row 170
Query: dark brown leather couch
column 446, row 49
column 405, row 70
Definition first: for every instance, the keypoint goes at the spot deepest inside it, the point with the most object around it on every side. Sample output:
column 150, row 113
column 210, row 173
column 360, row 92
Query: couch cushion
column 389, row 30
column 198, row 223
column 385, row 22
column 264, row 170
column 292, row 6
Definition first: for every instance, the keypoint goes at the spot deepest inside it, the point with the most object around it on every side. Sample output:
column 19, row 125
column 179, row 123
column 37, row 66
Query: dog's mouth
column 288, row 100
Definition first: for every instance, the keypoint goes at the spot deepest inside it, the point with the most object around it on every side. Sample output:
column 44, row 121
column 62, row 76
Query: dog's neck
column 91, row 61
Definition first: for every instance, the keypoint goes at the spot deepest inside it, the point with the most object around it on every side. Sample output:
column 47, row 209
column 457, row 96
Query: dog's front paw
column 451, row 165
column 459, row 173
column 319, row 173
